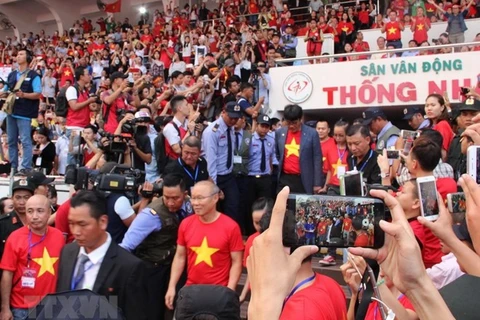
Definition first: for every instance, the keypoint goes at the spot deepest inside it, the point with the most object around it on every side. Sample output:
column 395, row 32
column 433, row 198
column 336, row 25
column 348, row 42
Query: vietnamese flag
column 113, row 7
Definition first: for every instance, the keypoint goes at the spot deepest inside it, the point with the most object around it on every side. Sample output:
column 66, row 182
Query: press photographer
column 134, row 129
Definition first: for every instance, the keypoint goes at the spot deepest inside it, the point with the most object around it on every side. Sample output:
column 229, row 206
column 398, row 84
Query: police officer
column 243, row 137
column 218, row 147
column 289, row 42
column 153, row 238
column 261, row 159
column 22, row 190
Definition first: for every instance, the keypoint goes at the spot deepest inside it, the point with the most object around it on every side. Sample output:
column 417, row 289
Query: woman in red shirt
column 314, row 39
column 345, row 29
column 437, row 112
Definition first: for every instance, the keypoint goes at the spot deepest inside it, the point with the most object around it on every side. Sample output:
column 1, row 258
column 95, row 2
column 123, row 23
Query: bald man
column 209, row 242
column 30, row 261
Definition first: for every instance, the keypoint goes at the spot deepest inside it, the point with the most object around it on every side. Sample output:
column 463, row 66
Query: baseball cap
column 23, row 184
column 276, row 34
column 461, row 231
column 408, row 113
column 117, row 75
column 263, row 119
column 470, row 104
column 233, row 110
column 39, row 179
column 289, row 25
column 202, row 299
column 372, row 113
column 229, row 63
column 142, row 116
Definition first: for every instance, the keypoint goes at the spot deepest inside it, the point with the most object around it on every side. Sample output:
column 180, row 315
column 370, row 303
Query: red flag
column 113, row 7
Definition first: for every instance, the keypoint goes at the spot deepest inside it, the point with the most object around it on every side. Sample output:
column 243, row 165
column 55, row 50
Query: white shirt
column 445, row 272
column 93, row 266
column 61, row 147
column 171, row 134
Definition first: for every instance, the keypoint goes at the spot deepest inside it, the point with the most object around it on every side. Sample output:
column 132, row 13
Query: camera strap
column 107, row 110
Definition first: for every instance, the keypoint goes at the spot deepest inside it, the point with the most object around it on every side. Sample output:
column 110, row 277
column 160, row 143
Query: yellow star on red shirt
column 392, row 30
column 336, row 165
column 345, row 29
column 204, row 253
column 419, row 27
column 293, row 148
column 67, row 73
column 46, row 263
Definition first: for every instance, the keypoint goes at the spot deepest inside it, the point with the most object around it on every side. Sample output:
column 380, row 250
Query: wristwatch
column 384, row 175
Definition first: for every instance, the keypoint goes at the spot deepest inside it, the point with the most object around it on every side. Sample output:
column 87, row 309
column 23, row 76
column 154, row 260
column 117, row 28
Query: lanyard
column 188, row 172
column 31, row 245
column 301, row 283
column 75, row 282
column 340, row 156
column 365, row 163
column 378, row 305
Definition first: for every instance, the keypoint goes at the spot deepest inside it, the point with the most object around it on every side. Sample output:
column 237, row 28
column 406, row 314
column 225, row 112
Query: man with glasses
column 209, row 244
column 297, row 140
column 152, row 236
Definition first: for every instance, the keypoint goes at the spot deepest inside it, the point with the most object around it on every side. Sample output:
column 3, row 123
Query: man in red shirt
column 420, row 27
column 326, row 142
column 30, row 261
column 322, row 231
column 209, row 242
column 361, row 46
column 394, row 31
column 313, row 296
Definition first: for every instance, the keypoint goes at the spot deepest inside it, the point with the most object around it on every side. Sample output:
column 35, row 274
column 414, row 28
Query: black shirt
column 8, row 223
column 143, row 143
column 368, row 165
column 190, row 175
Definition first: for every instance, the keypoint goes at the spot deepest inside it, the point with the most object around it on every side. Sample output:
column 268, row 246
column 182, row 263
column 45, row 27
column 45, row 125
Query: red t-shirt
column 61, row 220
column 364, row 16
column 373, row 312
column 119, row 103
column 208, row 248
column 79, row 118
column 324, row 299
column 45, row 254
column 291, row 161
column 362, row 240
column 446, row 131
column 327, row 146
column 420, row 33
column 248, row 245
column 431, row 249
column 393, row 31
column 67, row 74
column 146, row 38
column 333, row 159
column 345, row 27
column 347, row 224
column 322, row 228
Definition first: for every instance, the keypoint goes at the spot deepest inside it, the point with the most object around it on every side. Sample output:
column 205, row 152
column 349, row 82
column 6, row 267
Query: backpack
column 160, row 154
column 61, row 103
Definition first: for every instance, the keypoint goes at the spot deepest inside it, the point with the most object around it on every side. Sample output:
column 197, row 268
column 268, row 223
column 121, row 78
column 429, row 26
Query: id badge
column 340, row 171
column 28, row 278
column 38, row 162
column 237, row 159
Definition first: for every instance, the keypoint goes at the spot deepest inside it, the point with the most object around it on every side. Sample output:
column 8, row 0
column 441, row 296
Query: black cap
column 372, row 113
column 408, row 113
column 233, row 110
column 276, row 34
column 263, row 119
column 117, row 75
column 311, row 123
column 39, row 179
column 461, row 231
column 470, row 104
column 23, row 184
column 202, row 299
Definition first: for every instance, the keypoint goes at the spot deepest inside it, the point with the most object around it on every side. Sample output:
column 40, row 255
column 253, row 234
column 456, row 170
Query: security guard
column 241, row 152
column 153, row 238
column 261, row 158
column 218, row 147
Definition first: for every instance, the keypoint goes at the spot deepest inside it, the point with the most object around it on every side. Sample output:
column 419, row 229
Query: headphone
column 29, row 56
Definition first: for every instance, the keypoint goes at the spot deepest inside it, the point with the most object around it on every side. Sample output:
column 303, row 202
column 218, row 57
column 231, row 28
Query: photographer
column 115, row 98
column 245, row 98
column 262, row 83
column 140, row 144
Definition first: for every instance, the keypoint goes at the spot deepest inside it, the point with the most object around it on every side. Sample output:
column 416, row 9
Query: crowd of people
column 182, row 106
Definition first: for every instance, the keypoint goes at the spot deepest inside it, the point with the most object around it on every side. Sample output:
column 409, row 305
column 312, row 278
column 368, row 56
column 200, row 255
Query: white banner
column 367, row 83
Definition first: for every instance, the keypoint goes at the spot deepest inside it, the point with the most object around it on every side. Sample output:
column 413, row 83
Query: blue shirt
column 291, row 45
column 391, row 141
column 255, row 156
column 36, row 86
column 215, row 148
column 145, row 223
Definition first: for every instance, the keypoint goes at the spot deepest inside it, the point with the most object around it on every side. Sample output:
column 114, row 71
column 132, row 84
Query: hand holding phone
column 473, row 163
column 427, row 191
column 393, row 154
column 456, row 202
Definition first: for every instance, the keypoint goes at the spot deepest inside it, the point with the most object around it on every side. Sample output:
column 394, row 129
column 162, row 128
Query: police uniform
column 218, row 143
column 241, row 152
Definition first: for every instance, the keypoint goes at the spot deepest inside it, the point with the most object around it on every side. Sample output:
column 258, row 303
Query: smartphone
column 352, row 184
column 456, row 202
column 338, row 221
column 393, row 154
column 473, row 163
column 408, row 137
column 427, row 190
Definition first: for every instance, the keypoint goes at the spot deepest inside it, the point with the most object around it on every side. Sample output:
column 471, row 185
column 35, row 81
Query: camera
column 255, row 71
column 464, row 91
column 97, row 98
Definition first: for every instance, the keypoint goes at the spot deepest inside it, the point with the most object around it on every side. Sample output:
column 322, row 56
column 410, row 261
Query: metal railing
column 281, row 62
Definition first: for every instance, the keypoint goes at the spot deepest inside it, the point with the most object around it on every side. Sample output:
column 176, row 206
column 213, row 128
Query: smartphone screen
column 456, row 202
column 393, row 154
column 478, row 165
column 428, row 196
column 473, row 162
column 338, row 221
column 352, row 184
